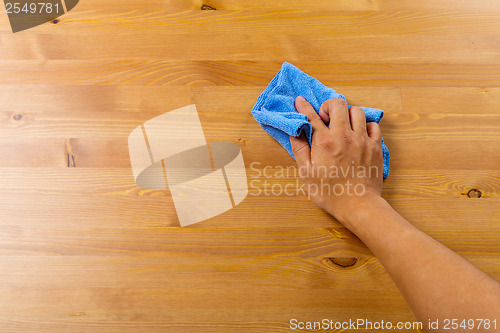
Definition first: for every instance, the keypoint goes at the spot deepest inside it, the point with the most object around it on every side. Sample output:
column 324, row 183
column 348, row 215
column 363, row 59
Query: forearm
column 436, row 282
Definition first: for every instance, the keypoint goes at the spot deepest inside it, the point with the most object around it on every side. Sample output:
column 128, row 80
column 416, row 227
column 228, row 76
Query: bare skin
column 436, row 282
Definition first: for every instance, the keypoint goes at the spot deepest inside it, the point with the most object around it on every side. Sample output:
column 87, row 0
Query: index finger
column 303, row 106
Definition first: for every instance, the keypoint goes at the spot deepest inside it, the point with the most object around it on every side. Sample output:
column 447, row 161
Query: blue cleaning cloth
column 275, row 108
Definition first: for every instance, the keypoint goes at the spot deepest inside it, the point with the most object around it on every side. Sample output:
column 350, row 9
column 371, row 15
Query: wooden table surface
column 84, row 249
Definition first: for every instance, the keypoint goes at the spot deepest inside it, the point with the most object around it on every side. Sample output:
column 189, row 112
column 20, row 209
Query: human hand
column 342, row 169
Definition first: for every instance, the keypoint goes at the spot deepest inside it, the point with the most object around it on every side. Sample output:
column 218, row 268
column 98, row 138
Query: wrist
column 356, row 211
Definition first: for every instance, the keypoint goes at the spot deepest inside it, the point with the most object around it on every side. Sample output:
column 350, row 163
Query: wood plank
column 436, row 126
column 292, row 5
column 304, row 242
column 98, row 152
column 254, row 272
column 316, row 22
column 219, row 100
column 142, row 102
column 172, row 273
column 98, row 301
column 97, row 102
column 45, row 135
column 422, row 101
column 154, row 208
column 421, row 49
column 307, row 242
column 109, row 115
column 170, row 309
column 172, row 5
column 240, row 73
column 165, row 73
column 61, row 199
column 92, row 111
column 441, row 5
column 164, row 326
column 470, row 100
column 484, row 6
column 346, row 6
column 414, row 183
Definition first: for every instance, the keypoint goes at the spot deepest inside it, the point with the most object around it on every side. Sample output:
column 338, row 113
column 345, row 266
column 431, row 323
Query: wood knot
column 474, row 193
column 17, row 117
column 343, row 262
column 207, row 7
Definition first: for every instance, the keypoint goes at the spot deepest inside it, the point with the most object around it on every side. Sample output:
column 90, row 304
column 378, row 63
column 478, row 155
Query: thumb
column 301, row 149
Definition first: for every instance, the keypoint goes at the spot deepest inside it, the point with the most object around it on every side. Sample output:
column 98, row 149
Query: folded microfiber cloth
column 275, row 108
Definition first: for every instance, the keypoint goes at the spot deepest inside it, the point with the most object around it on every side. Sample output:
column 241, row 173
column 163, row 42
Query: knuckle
column 347, row 137
column 374, row 126
column 310, row 114
column 357, row 109
column 361, row 141
column 312, row 117
column 326, row 141
column 374, row 146
column 335, row 102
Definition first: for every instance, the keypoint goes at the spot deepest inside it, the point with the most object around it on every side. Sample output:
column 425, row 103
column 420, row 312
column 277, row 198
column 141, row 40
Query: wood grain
column 84, row 249
column 242, row 73
column 261, row 47
column 407, row 183
column 325, row 23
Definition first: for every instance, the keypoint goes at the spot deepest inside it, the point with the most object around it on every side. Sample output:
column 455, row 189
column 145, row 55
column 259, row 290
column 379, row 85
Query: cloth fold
column 275, row 108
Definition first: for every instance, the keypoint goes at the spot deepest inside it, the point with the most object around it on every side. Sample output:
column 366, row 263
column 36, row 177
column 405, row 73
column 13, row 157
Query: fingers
column 358, row 119
column 324, row 116
column 374, row 132
column 301, row 149
column 304, row 107
column 335, row 111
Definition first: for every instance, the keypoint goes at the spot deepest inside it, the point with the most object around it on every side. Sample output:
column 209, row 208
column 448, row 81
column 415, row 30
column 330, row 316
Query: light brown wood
column 243, row 73
column 322, row 22
column 84, row 249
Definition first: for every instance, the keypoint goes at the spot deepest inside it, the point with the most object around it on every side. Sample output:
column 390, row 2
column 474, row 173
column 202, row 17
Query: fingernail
column 300, row 99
